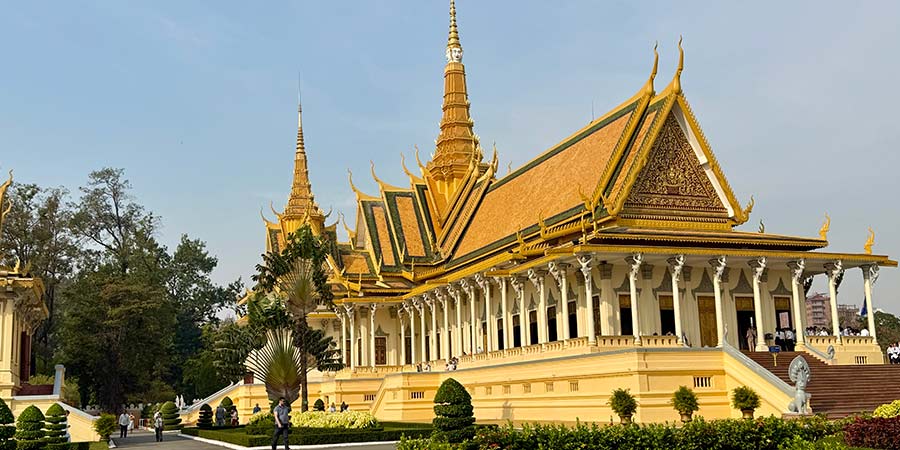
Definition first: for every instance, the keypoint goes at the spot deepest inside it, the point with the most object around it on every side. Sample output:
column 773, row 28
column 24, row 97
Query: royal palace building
column 610, row 260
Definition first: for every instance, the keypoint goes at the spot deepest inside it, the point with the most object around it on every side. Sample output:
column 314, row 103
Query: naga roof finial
column 648, row 88
column 676, row 82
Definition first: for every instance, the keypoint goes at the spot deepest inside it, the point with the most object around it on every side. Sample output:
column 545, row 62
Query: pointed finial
column 648, row 88
column 823, row 232
column 870, row 241
column 419, row 161
column 676, row 82
column 454, row 48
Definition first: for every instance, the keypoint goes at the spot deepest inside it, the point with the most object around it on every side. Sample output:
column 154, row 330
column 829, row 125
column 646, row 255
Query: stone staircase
column 838, row 391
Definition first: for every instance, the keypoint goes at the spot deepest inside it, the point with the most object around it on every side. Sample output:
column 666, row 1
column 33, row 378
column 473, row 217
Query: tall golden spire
column 457, row 144
column 301, row 203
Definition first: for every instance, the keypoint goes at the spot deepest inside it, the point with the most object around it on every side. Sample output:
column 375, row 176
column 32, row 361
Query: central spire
column 301, row 201
column 457, row 145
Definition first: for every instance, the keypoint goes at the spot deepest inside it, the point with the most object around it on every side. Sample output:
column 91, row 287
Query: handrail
column 758, row 369
column 197, row 404
column 819, row 354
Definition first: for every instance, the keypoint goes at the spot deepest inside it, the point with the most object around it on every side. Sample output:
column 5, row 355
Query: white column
column 352, row 318
column 504, row 310
column 412, row 332
column 485, row 285
column 758, row 266
column 718, row 265
column 372, row 335
column 343, row 345
column 429, row 300
column 402, row 352
column 420, row 305
column 469, row 287
column 634, row 262
column 835, row 271
column 797, row 268
column 518, row 285
column 445, row 332
column 585, row 261
column 458, row 332
column 676, row 264
column 537, row 279
column 559, row 272
column 870, row 276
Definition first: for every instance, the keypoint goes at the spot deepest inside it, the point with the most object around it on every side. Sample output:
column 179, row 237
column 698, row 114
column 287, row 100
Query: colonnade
column 464, row 317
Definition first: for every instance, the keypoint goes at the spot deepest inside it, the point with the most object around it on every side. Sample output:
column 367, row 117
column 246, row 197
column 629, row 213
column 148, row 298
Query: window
column 573, row 386
column 548, row 386
column 417, row 395
column 506, row 389
column 369, row 397
column 488, row 390
column 526, row 388
column 702, row 382
column 625, row 314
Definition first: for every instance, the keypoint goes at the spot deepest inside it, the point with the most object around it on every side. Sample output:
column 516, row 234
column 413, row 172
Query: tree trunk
column 304, row 364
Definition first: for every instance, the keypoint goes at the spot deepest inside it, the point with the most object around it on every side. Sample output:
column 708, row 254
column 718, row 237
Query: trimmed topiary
column 745, row 399
column 170, row 416
column 7, row 427
column 30, row 429
column 228, row 405
column 319, row 405
column 206, row 417
column 56, row 425
column 454, row 421
column 623, row 404
column 684, row 400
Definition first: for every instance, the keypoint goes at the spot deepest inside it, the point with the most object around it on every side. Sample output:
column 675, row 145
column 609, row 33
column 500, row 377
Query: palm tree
column 278, row 364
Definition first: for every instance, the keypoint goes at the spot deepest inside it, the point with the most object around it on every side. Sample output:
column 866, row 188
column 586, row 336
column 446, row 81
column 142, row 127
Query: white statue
column 799, row 373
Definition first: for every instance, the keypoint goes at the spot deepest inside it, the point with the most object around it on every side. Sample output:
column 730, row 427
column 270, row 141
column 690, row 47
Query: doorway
column 625, row 314
column 532, row 327
column 551, row 324
column 517, row 331
column 706, row 307
column 744, row 307
column 573, row 319
column 408, row 350
column 500, row 334
column 666, row 315
column 783, row 317
column 380, row 350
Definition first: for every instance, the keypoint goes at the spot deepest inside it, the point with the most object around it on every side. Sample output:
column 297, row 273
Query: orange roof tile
column 406, row 209
column 384, row 235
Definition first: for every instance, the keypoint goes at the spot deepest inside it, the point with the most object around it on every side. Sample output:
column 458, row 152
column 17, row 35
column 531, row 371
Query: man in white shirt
column 124, row 421
column 789, row 339
column 864, row 332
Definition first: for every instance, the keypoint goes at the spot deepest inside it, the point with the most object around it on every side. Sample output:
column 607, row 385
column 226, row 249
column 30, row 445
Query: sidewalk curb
column 299, row 447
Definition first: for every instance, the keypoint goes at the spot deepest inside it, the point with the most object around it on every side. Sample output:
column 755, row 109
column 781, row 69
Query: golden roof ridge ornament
column 4, row 211
column 870, row 241
column 415, row 179
column 648, row 87
column 453, row 37
column 676, row 81
column 360, row 195
column 381, row 184
column 823, row 232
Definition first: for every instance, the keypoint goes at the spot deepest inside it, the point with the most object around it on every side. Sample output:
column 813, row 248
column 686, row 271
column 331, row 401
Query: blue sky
column 197, row 100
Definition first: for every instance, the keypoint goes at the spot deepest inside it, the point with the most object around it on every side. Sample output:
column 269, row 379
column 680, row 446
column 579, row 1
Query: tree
column 56, row 426
column 298, row 272
column 7, row 427
column 30, row 429
column 887, row 327
column 453, row 421
column 278, row 365
column 36, row 235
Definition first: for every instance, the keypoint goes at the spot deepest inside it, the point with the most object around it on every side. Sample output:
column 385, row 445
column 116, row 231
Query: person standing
column 751, row 339
column 256, row 409
column 282, row 414
column 789, row 339
column 331, row 408
column 220, row 416
column 158, row 425
column 123, row 424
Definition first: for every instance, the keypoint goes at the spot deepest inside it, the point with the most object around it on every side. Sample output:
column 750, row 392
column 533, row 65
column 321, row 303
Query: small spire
column 648, row 88
column 454, row 48
column 676, row 82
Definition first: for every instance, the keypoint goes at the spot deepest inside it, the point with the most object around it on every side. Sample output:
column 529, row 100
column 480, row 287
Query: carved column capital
column 835, row 272
column 797, row 268
column 585, row 260
column 676, row 265
column 557, row 271
column 482, row 281
column 718, row 265
column 537, row 277
column 870, row 273
column 518, row 285
column 758, row 266
column 634, row 262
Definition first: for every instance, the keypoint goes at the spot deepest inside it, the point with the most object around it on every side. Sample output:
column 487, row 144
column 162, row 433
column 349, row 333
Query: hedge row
column 301, row 437
column 763, row 434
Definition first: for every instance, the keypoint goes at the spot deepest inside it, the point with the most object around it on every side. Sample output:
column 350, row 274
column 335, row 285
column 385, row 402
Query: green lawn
column 99, row 446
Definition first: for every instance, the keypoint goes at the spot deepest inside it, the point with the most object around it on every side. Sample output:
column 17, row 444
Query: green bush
column 888, row 410
column 742, row 397
column 685, row 401
column 623, row 403
column 206, row 417
column 56, row 424
column 453, row 421
column 7, row 427
column 308, row 437
column 30, row 429
column 760, row 434
column 319, row 405
column 261, row 423
column 105, row 426
column 321, row 419
column 170, row 416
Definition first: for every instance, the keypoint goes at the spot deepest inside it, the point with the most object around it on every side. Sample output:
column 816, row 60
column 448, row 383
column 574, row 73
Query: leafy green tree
column 56, row 425
column 105, row 425
column 7, row 427
column 887, row 327
column 36, row 234
column 30, row 429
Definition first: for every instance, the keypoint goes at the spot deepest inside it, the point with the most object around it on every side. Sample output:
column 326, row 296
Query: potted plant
column 685, row 402
column 623, row 404
column 745, row 399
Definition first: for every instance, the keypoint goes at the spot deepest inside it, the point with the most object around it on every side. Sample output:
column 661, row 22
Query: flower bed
column 343, row 420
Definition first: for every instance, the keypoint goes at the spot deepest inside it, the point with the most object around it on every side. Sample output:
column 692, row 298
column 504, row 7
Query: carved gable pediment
column 673, row 180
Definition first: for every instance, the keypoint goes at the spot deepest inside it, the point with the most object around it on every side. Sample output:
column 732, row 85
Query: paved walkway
column 147, row 440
